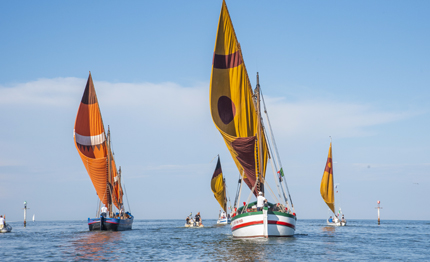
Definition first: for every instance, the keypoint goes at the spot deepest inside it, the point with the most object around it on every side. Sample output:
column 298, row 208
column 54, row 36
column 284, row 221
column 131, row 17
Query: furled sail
column 232, row 103
column 90, row 141
column 117, row 188
column 327, row 190
column 218, row 186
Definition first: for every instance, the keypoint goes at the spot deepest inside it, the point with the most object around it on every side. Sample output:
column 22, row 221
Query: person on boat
column 260, row 201
column 336, row 218
column 121, row 211
column 2, row 222
column 187, row 220
column 330, row 220
column 343, row 218
column 103, row 211
column 198, row 219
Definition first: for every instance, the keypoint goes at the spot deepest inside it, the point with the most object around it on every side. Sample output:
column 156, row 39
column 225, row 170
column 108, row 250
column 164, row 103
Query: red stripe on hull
column 261, row 222
column 281, row 223
column 247, row 224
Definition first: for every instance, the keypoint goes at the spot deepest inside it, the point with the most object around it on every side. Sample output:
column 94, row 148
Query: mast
column 332, row 177
column 109, row 174
column 259, row 137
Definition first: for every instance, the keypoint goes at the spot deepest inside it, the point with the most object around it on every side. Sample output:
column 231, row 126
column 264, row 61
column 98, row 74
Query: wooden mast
column 259, row 138
column 109, row 174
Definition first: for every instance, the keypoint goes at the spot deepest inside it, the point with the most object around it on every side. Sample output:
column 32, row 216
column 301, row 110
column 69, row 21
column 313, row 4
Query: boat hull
column 263, row 224
column 224, row 221
column 337, row 224
column 194, row 225
column 6, row 229
column 110, row 224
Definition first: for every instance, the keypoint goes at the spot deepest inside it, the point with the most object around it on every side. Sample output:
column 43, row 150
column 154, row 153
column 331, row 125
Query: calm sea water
column 166, row 240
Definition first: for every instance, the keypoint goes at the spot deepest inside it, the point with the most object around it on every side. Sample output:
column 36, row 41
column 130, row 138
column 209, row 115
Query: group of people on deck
column 121, row 214
column 336, row 219
column 197, row 219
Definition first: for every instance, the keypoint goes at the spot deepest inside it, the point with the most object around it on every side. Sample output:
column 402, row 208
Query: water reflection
column 328, row 229
column 96, row 245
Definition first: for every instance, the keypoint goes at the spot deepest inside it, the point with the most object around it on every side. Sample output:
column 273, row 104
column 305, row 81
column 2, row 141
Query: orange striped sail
column 326, row 189
column 90, row 141
column 232, row 104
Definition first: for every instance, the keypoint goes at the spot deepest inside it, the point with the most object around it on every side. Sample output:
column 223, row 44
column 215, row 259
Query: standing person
column 198, row 219
column 103, row 211
column 121, row 211
column 260, row 201
column 2, row 222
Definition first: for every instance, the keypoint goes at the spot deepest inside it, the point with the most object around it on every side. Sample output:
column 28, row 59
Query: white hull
column 263, row 224
column 337, row 223
column 6, row 229
column 224, row 221
column 195, row 224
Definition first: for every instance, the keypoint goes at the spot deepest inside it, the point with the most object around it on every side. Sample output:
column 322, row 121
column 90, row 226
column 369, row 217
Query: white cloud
column 42, row 92
column 172, row 103
column 308, row 118
column 161, row 100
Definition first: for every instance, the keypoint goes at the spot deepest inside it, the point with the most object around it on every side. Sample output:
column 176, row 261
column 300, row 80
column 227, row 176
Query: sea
column 169, row 240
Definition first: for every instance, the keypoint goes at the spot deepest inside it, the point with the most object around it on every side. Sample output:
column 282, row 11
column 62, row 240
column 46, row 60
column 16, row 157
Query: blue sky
column 357, row 71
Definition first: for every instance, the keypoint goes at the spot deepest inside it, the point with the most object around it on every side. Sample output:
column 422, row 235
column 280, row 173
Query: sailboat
column 219, row 188
column 34, row 217
column 327, row 192
column 94, row 148
column 235, row 110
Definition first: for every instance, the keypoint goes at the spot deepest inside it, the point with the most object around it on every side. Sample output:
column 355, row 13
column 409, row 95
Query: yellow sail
column 232, row 104
column 218, row 186
column 327, row 187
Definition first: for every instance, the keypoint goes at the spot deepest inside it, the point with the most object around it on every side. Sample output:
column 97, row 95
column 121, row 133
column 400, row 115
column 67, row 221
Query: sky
column 358, row 71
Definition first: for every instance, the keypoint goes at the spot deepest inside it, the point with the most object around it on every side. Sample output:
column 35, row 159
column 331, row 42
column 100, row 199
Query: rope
column 128, row 203
column 276, row 148
column 267, row 184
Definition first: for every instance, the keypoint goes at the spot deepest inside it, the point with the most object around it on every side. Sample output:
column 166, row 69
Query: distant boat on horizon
column 94, row 148
column 34, row 217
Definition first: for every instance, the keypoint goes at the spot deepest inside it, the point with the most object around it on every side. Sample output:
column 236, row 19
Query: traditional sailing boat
column 235, row 110
column 327, row 192
column 219, row 188
column 95, row 150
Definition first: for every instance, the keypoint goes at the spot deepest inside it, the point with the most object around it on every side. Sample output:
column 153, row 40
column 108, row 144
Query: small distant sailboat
column 236, row 113
column 94, row 147
column 219, row 188
column 327, row 192
column 34, row 217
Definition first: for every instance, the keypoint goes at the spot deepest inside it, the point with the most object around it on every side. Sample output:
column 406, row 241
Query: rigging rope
column 276, row 148
column 125, row 189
